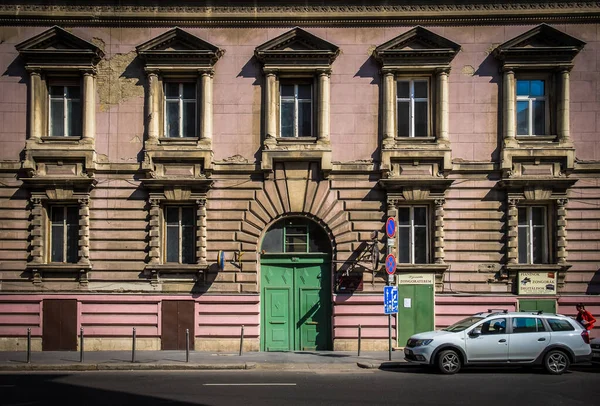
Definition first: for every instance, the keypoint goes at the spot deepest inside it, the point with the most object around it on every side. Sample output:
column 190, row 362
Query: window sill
column 179, row 140
column 74, row 140
column 173, row 268
column 296, row 140
column 60, row 267
column 416, row 140
column 537, row 138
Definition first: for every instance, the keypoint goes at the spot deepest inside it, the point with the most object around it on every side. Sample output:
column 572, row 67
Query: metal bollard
column 28, row 345
column 133, row 347
column 81, row 344
column 187, row 345
column 242, row 341
column 359, row 338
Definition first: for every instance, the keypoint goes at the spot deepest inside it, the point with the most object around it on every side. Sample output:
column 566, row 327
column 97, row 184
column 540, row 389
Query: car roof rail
column 498, row 311
column 540, row 312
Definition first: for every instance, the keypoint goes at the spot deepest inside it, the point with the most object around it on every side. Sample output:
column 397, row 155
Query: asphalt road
column 408, row 386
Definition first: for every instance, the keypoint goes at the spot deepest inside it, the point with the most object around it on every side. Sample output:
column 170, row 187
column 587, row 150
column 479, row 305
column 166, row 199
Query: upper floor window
column 64, row 234
column 412, row 100
column 533, row 235
column 413, row 235
column 180, row 109
column 296, row 235
column 531, row 107
column 296, row 107
column 180, row 234
column 65, row 111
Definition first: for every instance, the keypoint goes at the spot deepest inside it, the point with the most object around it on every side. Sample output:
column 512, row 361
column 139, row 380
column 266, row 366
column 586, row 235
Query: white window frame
column 411, row 102
column 530, row 227
column 181, row 102
column 65, row 99
column 297, row 101
column 411, row 232
column 531, row 99
column 51, row 234
column 179, row 233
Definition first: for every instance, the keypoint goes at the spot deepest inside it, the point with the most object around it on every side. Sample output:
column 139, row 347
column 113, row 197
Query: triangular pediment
column 296, row 44
column 177, row 47
column 59, row 47
column 416, row 47
column 542, row 44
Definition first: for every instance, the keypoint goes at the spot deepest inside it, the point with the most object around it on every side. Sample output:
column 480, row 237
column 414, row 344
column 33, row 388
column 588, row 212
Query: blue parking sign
column 390, row 299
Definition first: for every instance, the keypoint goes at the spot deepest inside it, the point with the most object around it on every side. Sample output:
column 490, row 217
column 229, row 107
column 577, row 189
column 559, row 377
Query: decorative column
column 561, row 231
column 201, row 231
column 512, row 231
column 84, row 231
column 89, row 107
column 510, row 127
column 154, row 232
column 271, row 104
column 438, row 235
column 564, row 135
column 207, row 106
column 323, row 110
column 443, row 116
column 37, row 231
column 388, row 105
column 36, row 108
column 153, row 103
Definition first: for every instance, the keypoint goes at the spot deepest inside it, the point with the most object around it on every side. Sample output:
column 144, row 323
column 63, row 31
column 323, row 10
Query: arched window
column 295, row 235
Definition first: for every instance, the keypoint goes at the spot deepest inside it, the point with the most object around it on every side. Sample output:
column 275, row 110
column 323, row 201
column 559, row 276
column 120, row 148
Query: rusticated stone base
column 19, row 344
column 120, row 344
column 366, row 345
column 226, row 344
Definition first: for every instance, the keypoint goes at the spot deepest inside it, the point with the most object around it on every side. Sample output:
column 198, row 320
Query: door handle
column 312, row 323
column 276, row 322
column 502, row 341
column 541, row 339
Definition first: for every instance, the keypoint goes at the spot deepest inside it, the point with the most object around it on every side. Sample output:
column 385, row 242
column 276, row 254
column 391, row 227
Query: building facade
column 231, row 168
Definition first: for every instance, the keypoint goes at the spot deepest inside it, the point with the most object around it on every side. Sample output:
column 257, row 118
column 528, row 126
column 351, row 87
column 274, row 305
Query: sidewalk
column 176, row 360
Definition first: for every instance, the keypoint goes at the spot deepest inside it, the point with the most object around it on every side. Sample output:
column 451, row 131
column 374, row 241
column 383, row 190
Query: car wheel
column 556, row 362
column 449, row 362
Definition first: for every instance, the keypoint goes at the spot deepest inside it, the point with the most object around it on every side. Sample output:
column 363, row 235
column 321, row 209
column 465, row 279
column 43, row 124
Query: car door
column 528, row 338
column 491, row 345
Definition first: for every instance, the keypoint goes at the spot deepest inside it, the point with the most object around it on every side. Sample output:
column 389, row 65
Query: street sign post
column 390, row 299
column 390, row 264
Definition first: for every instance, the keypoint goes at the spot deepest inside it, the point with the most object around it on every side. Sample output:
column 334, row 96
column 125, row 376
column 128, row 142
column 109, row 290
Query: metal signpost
column 388, row 291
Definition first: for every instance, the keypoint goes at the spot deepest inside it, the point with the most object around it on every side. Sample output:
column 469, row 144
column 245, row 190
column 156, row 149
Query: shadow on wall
column 594, row 284
column 252, row 70
column 489, row 68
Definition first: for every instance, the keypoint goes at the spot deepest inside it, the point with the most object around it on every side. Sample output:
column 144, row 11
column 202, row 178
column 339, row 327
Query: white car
column 503, row 338
column 595, row 343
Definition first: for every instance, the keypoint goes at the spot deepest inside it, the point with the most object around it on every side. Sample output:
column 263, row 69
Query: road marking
column 249, row 384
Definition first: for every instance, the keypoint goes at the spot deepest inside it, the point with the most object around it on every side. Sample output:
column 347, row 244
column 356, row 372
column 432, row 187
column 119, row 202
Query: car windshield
column 463, row 324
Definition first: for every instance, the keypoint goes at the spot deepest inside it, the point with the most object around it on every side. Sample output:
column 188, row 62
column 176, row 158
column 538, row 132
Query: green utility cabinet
column 415, row 310
column 296, row 303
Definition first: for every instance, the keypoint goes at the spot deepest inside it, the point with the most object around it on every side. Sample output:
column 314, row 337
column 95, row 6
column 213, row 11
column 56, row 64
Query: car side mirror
column 476, row 332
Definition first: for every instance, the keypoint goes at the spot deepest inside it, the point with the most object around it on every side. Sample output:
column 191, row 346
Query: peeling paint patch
column 119, row 78
column 135, row 139
column 491, row 48
column 468, row 70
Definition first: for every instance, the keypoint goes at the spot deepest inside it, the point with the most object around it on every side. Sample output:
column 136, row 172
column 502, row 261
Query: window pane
column 522, row 118
column 172, row 90
column 189, row 91
column 172, row 215
column 295, row 248
column 403, row 216
column 187, row 216
column 72, row 234
column 420, row 245
column 289, row 230
column 57, row 91
column 537, row 88
column 522, row 88
column 538, row 216
column 295, row 239
column 403, row 119
column 188, row 243
column 189, row 119
column 403, row 90
column 523, row 242
column 560, row 325
column 287, row 90
column 538, row 245
column 420, row 119
column 420, row 216
column 57, row 235
column 420, row 89
column 404, row 245
column 305, row 92
column 539, row 117
column 287, row 118
column 172, row 118
column 73, row 92
column 74, row 118
column 304, row 119
column 273, row 241
column 57, row 118
column 522, row 214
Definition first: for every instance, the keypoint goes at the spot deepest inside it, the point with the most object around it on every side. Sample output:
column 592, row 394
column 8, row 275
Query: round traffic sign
column 221, row 260
column 390, row 264
column 390, row 227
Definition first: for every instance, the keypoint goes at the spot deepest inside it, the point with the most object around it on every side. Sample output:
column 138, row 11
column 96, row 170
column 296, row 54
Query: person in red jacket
column 584, row 317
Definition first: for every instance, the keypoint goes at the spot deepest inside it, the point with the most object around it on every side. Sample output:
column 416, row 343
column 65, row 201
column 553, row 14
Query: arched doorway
column 295, row 287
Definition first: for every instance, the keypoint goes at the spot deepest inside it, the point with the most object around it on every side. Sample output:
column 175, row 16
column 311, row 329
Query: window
column 412, row 99
column 527, row 325
column 65, row 111
column 531, row 107
column 296, row 110
column 560, row 325
column 496, row 326
column 180, row 224
column 295, row 235
column 532, row 235
column 64, row 234
column 413, row 246
column 180, row 109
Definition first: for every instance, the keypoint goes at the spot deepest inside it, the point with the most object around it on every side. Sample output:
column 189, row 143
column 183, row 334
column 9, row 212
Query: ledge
column 60, row 267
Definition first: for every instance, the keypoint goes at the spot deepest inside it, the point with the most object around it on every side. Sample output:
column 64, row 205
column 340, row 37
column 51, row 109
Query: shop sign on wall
column 415, row 279
column 537, row 283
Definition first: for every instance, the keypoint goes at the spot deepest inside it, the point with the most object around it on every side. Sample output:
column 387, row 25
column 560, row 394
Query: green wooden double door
column 296, row 303
column 415, row 311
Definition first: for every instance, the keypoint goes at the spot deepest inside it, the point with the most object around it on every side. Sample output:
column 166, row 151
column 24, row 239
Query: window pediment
column 416, row 47
column 176, row 48
column 297, row 44
column 56, row 47
column 540, row 46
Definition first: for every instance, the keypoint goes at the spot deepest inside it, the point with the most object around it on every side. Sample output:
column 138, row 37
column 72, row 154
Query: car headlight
column 420, row 343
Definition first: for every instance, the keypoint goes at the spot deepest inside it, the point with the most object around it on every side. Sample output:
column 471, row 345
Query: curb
column 126, row 367
column 385, row 365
